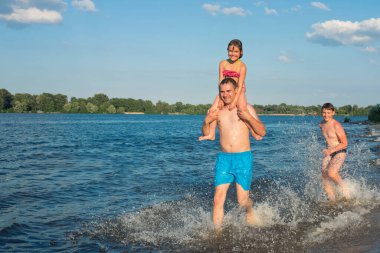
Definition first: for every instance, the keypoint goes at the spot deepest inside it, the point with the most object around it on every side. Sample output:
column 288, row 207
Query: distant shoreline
column 282, row 114
column 134, row 113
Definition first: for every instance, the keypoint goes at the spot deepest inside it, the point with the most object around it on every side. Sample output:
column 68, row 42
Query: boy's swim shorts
column 234, row 166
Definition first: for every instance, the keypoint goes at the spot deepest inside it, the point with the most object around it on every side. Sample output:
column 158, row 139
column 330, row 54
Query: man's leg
column 245, row 202
column 218, row 210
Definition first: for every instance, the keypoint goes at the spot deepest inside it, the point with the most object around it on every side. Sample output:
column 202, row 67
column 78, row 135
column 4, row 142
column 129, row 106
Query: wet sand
column 368, row 241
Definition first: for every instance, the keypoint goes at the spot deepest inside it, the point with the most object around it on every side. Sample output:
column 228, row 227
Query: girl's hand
column 221, row 104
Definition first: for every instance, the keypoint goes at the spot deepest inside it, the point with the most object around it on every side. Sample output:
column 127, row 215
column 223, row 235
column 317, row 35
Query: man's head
column 328, row 111
column 227, row 90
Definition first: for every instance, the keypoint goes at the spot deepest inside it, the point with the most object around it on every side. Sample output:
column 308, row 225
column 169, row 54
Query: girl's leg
column 242, row 106
column 211, row 135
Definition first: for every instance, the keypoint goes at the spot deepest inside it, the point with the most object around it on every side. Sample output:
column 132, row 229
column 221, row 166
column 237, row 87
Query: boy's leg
column 245, row 202
column 334, row 167
column 218, row 209
column 327, row 184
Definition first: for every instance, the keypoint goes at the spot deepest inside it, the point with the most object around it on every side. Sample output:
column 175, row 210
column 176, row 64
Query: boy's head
column 328, row 106
column 328, row 111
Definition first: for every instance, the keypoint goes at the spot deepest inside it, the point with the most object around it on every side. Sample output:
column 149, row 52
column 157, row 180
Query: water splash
column 291, row 208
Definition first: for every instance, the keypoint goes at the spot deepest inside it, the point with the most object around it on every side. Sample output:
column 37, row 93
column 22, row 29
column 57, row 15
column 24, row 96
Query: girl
column 232, row 67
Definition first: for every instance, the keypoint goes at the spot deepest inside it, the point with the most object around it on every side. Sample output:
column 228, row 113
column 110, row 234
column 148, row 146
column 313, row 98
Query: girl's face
column 234, row 53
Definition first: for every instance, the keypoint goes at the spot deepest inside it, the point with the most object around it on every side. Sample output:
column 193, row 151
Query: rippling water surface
column 143, row 183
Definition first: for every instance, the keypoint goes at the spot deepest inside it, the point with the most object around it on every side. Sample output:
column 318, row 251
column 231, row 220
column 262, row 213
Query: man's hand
column 211, row 116
column 244, row 115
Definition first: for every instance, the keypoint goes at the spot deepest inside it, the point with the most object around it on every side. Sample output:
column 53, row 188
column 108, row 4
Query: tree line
column 101, row 103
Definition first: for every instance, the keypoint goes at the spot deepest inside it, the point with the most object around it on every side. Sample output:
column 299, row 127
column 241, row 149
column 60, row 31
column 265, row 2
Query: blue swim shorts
column 234, row 166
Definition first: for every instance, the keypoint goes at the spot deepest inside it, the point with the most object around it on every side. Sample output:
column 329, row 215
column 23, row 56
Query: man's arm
column 253, row 120
column 210, row 117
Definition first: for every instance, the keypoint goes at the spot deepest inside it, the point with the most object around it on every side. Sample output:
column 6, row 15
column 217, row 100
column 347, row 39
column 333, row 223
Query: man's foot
column 251, row 219
column 206, row 137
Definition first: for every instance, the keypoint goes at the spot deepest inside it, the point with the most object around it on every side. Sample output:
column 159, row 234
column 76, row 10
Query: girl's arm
column 218, row 103
column 221, row 77
column 221, row 68
column 243, row 72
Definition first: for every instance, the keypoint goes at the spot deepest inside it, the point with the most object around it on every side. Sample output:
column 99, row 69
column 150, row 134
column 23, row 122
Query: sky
column 297, row 52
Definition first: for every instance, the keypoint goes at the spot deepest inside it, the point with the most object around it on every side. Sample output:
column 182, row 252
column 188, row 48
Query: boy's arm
column 340, row 133
column 253, row 120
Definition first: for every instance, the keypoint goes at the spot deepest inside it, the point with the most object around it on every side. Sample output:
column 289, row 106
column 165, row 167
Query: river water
column 143, row 183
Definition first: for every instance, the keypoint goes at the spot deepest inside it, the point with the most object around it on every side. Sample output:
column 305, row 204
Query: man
column 235, row 161
column 334, row 154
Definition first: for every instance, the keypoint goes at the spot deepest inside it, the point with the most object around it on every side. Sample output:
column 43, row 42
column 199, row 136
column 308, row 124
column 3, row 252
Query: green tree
column 120, row 110
column 67, row 107
column 5, row 99
column 91, row 108
column 98, row 99
column 163, row 107
column 111, row 109
column 20, row 107
column 45, row 102
column 148, row 107
column 374, row 114
column 178, row 107
column 59, row 101
column 28, row 100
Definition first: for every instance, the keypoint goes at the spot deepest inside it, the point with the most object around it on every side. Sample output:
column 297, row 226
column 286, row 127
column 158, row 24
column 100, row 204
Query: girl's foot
column 206, row 137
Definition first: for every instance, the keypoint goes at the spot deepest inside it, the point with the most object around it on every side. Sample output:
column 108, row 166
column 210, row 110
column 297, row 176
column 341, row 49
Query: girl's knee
column 242, row 107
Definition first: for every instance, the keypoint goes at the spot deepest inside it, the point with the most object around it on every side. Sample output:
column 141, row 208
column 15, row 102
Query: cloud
column 32, row 15
column 270, row 11
column 344, row 33
column 84, row 5
column 296, row 8
column 214, row 9
column 235, row 11
column 369, row 49
column 284, row 57
column 320, row 6
column 25, row 12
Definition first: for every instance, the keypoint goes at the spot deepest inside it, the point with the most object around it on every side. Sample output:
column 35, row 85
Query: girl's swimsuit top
column 231, row 73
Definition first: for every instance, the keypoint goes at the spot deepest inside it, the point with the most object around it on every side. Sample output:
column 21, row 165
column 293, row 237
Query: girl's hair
column 236, row 43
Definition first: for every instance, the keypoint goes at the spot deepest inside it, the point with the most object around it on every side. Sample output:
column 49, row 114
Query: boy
column 334, row 154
